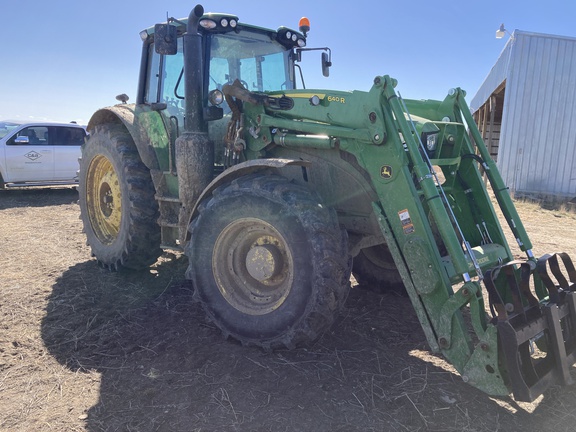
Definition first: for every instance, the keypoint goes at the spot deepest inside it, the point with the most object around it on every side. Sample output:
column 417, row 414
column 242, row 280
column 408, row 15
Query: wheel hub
column 263, row 262
column 106, row 200
column 253, row 266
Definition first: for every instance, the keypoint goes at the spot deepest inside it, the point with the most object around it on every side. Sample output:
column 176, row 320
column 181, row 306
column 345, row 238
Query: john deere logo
column 386, row 172
column 32, row 155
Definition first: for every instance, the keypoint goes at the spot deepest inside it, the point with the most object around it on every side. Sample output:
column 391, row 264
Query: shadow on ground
column 163, row 368
column 38, row 197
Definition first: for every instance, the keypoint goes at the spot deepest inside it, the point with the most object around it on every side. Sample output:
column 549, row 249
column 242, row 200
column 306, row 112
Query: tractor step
column 537, row 337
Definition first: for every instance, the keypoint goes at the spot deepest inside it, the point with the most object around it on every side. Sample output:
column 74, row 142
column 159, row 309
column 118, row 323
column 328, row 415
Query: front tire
column 117, row 204
column 374, row 268
column 269, row 263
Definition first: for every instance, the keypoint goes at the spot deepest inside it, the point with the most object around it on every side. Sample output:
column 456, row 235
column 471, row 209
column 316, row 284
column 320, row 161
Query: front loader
column 278, row 194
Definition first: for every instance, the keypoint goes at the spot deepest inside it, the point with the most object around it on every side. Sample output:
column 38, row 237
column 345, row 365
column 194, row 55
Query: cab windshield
column 259, row 63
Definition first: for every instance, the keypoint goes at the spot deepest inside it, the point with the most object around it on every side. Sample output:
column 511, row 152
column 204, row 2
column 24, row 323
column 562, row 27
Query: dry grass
column 82, row 349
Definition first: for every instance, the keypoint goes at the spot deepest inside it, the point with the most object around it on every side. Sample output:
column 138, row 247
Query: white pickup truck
column 39, row 154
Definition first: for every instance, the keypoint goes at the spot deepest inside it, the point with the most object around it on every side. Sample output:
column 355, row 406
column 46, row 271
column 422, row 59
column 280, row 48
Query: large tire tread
column 328, row 242
column 138, row 242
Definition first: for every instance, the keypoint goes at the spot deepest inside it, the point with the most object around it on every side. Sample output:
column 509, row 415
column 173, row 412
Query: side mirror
column 326, row 63
column 22, row 139
column 165, row 39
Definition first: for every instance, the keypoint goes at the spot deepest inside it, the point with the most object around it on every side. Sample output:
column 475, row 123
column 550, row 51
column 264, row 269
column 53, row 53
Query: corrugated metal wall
column 537, row 153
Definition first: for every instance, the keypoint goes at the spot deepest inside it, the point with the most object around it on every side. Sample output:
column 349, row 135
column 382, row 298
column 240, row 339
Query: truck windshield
column 6, row 128
column 258, row 62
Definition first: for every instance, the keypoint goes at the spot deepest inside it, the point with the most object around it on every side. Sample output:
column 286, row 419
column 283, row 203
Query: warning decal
column 407, row 225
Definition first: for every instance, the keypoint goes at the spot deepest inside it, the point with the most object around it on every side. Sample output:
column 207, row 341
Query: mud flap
column 537, row 338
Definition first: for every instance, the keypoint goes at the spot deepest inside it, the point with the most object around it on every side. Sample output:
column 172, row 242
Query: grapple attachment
column 536, row 321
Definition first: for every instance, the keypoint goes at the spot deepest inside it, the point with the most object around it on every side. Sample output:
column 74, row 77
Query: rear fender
column 243, row 169
column 141, row 122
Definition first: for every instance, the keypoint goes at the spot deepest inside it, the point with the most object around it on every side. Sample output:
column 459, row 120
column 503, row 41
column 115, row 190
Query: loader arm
column 425, row 161
column 528, row 307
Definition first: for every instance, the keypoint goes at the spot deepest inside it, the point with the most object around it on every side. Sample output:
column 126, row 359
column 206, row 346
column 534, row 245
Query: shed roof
column 511, row 54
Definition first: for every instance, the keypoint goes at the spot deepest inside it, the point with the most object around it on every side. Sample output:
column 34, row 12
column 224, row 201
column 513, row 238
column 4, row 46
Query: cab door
column 29, row 157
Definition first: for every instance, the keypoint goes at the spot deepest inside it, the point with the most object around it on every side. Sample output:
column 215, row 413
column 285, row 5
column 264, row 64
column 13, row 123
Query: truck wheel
column 269, row 263
column 117, row 204
column 374, row 268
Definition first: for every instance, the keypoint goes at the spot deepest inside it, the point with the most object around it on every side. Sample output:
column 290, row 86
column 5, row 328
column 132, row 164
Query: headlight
column 216, row 97
column 430, row 141
column 208, row 24
column 290, row 38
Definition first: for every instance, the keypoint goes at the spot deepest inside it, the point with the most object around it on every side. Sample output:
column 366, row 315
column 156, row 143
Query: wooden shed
column 526, row 111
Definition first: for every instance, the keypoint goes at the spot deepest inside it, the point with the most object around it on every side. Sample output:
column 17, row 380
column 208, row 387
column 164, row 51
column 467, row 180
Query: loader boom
column 441, row 227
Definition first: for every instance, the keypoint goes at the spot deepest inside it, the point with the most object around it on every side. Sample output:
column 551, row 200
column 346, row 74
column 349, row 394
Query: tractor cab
column 260, row 59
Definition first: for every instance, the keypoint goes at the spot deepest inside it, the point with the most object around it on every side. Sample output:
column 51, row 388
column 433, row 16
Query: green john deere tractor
column 278, row 194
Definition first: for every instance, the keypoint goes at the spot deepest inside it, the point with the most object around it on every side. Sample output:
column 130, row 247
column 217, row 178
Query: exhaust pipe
column 194, row 151
column 193, row 71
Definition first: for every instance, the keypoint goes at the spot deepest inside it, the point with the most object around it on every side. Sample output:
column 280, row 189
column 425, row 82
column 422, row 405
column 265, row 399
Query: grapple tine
column 569, row 267
column 557, row 341
column 494, row 298
column 551, row 260
column 515, row 348
column 566, row 288
column 555, row 268
column 525, row 272
column 548, row 324
column 570, row 284
column 510, row 273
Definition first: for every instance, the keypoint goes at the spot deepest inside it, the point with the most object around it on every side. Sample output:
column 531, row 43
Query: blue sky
column 64, row 59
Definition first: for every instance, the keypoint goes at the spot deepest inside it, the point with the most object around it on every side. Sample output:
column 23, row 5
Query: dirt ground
column 82, row 349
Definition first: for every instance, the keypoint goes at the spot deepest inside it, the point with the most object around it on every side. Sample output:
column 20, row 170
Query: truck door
column 66, row 142
column 29, row 157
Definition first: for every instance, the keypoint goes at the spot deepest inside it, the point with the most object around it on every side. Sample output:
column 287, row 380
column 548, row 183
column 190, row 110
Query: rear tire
column 117, row 204
column 269, row 263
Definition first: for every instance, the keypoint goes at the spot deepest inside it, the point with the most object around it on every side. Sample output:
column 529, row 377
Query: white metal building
column 526, row 111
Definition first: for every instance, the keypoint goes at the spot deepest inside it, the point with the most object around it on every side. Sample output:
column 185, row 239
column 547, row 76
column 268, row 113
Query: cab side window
column 165, row 82
column 153, row 76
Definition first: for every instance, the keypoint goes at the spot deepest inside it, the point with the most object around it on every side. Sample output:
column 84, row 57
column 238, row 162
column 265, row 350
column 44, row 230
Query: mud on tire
column 117, row 204
column 269, row 263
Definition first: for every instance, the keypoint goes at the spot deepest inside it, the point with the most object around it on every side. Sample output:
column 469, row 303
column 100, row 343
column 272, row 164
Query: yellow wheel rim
column 104, row 199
